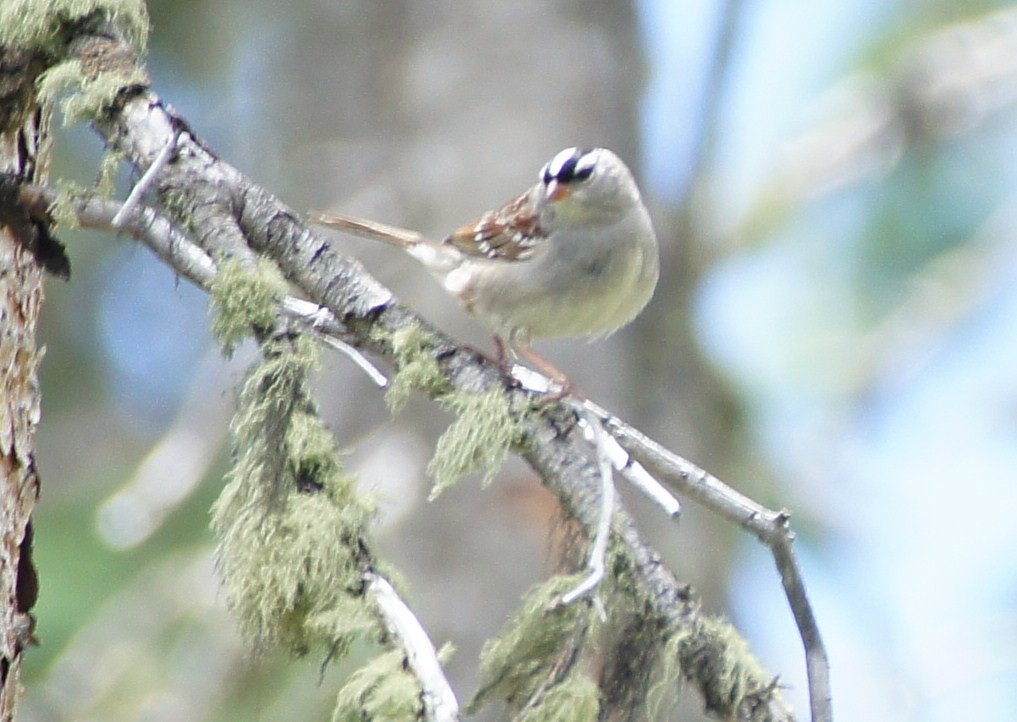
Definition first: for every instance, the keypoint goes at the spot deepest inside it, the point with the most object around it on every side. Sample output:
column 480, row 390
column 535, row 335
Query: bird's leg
column 506, row 358
column 566, row 385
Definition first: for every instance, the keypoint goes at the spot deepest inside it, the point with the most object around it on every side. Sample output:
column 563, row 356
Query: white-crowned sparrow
column 575, row 255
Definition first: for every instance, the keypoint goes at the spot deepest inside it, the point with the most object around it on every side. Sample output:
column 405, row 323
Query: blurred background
column 835, row 332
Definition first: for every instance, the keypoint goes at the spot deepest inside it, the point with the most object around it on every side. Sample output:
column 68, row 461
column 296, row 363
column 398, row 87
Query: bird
column 574, row 256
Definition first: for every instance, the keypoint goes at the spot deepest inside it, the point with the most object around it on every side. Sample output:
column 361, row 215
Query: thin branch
column 142, row 223
column 329, row 330
column 594, row 433
column 622, row 462
column 146, row 181
column 439, row 700
column 771, row 527
column 177, row 250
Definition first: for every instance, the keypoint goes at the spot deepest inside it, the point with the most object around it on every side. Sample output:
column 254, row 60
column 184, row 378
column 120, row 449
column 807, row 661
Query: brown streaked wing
column 510, row 233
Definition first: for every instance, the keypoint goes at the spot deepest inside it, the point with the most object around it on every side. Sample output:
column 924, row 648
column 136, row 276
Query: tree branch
column 773, row 528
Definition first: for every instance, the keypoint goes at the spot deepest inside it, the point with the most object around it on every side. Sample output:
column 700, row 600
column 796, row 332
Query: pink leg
column 503, row 356
column 506, row 357
column 568, row 388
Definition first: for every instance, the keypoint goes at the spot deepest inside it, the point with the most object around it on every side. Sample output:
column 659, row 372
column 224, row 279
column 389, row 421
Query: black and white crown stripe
column 570, row 165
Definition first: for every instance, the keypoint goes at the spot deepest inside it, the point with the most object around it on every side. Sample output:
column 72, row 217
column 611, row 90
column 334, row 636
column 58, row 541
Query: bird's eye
column 582, row 172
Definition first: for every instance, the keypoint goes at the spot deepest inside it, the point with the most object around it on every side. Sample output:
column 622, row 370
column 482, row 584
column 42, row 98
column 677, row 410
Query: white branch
column 324, row 322
column 147, row 179
column 632, row 470
column 440, row 702
column 594, row 433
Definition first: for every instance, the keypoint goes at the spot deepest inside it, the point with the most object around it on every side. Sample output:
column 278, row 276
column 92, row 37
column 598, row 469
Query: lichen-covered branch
column 771, row 527
column 276, row 489
column 369, row 312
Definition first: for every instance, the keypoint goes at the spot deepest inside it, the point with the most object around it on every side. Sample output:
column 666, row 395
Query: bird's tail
column 368, row 229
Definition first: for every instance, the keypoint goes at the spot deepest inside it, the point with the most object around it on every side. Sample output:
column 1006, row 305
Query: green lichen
column 484, row 430
column 273, row 391
column 518, row 663
column 86, row 97
column 45, row 24
column 64, row 211
column 446, row 653
column 713, row 655
column 576, row 699
column 381, row 690
column 485, row 427
column 45, row 29
column 289, row 523
column 244, row 301
column 108, row 172
column 179, row 204
column 416, row 368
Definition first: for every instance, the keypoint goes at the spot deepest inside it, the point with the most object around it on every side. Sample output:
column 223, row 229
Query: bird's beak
column 557, row 191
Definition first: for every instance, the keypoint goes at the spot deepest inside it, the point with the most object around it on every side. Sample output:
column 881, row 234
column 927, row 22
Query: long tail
column 368, row 229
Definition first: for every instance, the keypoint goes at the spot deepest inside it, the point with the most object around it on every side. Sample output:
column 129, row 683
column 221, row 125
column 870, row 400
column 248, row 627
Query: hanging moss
column 416, row 369
column 244, row 301
column 92, row 82
column 576, row 699
column 43, row 24
column 87, row 95
column 381, row 690
column 485, row 427
column 290, row 524
column 479, row 439
column 64, row 212
column 715, row 656
column 520, row 660
column 111, row 161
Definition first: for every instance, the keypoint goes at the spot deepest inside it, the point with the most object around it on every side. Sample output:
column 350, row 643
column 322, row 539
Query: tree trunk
column 23, row 243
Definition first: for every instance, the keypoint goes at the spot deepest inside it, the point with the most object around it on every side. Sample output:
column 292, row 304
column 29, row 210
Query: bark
column 25, row 246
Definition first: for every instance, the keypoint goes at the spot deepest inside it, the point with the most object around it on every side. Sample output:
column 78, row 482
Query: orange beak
column 557, row 191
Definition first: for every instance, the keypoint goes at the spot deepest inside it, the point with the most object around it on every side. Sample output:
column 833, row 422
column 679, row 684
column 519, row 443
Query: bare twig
column 632, row 470
column 329, row 330
column 594, row 433
column 142, row 223
column 147, row 179
column 771, row 527
column 622, row 462
column 440, row 702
